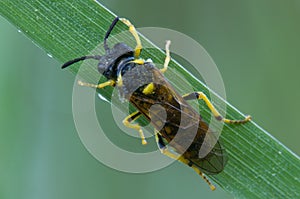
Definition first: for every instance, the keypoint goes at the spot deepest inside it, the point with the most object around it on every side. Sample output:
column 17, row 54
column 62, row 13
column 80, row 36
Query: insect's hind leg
column 168, row 57
column 211, row 186
column 132, row 30
column 128, row 123
column 215, row 112
column 164, row 150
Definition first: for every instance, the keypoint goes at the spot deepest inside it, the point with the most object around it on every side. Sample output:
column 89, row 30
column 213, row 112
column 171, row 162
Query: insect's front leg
column 168, row 57
column 102, row 85
column 215, row 112
column 164, row 150
column 128, row 123
column 132, row 30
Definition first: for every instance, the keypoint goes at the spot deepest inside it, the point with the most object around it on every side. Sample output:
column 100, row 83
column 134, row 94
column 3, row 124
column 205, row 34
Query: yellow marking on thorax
column 149, row 89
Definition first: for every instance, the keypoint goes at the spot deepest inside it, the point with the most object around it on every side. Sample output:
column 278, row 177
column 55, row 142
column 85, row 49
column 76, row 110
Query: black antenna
column 108, row 33
column 97, row 57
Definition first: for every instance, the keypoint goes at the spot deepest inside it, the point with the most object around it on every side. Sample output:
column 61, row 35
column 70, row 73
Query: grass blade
column 259, row 166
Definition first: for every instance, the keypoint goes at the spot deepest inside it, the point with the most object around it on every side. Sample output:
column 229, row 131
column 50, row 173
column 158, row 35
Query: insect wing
column 215, row 157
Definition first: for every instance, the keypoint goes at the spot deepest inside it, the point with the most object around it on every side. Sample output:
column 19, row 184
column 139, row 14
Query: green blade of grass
column 259, row 165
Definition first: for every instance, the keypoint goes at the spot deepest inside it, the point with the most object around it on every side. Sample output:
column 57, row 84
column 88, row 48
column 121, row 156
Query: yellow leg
column 217, row 115
column 164, row 150
column 132, row 30
column 211, row 186
column 120, row 80
column 132, row 117
column 102, row 85
column 168, row 57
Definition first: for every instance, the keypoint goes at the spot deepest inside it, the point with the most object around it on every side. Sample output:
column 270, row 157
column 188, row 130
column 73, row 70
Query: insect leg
column 168, row 57
column 218, row 116
column 159, row 141
column 120, row 80
column 132, row 30
column 164, row 150
column 102, row 85
column 128, row 123
column 212, row 187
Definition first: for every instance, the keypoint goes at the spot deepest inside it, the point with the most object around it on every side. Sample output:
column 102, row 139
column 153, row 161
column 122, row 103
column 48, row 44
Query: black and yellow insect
column 145, row 86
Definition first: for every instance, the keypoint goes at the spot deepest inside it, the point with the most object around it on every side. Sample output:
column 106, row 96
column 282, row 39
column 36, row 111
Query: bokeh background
column 255, row 45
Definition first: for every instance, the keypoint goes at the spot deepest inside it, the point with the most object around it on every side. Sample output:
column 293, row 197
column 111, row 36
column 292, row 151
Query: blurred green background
column 255, row 45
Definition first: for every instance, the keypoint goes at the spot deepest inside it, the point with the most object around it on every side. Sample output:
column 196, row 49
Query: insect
column 180, row 131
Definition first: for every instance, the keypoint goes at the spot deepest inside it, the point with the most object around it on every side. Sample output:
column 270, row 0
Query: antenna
column 108, row 33
column 97, row 57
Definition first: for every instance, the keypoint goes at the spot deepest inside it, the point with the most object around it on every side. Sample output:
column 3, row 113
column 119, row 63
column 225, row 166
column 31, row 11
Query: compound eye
column 101, row 68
